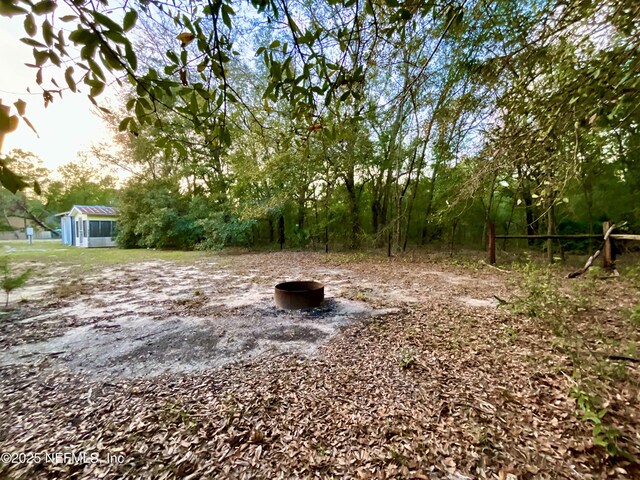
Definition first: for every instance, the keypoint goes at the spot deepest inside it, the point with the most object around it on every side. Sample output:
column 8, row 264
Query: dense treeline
column 358, row 124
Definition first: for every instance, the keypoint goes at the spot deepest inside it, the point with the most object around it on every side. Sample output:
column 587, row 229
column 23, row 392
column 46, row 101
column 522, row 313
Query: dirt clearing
column 409, row 370
column 157, row 317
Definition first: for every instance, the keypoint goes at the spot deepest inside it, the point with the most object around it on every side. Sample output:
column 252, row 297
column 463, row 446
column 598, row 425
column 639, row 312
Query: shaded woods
column 359, row 124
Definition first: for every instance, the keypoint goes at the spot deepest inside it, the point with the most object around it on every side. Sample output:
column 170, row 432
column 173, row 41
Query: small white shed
column 89, row 226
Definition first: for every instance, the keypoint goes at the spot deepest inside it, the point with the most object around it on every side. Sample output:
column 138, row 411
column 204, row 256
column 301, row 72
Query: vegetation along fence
column 607, row 248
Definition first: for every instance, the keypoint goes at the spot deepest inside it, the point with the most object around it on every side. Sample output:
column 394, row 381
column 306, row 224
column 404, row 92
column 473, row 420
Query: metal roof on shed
column 95, row 210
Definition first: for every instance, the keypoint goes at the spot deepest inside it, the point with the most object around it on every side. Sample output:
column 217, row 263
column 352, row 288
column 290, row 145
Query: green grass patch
column 52, row 251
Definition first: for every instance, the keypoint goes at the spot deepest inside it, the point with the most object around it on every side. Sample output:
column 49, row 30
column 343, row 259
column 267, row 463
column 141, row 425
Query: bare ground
column 408, row 371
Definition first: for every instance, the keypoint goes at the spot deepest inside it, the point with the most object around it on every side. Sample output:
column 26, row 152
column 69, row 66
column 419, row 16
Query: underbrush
column 599, row 340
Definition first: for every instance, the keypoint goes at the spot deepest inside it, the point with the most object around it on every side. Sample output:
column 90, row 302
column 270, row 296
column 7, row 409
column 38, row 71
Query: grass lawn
column 53, row 251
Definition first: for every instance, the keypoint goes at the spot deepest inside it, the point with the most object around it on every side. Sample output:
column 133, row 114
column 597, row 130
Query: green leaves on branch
column 194, row 83
column 30, row 25
column 68, row 75
column 130, row 19
column 8, row 8
column 44, row 7
column 101, row 41
column 227, row 11
column 8, row 123
column 106, row 22
column 21, row 107
column 9, row 179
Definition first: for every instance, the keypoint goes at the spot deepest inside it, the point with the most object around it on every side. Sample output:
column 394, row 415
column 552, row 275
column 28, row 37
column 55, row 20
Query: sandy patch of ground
column 143, row 344
column 156, row 317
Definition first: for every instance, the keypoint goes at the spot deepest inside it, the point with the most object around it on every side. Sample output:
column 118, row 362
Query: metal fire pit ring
column 301, row 294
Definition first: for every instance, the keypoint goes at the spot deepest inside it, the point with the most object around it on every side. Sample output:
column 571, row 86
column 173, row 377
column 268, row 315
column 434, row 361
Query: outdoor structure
column 89, row 226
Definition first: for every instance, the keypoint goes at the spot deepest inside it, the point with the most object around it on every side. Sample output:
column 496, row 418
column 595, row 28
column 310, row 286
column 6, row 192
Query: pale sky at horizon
column 66, row 127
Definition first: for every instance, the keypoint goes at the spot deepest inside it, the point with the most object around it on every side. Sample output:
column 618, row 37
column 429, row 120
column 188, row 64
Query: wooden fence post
column 607, row 251
column 492, row 244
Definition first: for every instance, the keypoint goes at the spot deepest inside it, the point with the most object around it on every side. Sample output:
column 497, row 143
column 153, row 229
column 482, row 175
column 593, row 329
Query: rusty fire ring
column 300, row 294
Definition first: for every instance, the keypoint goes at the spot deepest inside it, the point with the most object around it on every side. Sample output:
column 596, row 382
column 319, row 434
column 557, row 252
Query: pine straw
column 472, row 401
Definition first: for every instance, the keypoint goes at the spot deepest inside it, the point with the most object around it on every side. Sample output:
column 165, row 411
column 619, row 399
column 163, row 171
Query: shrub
column 224, row 230
column 9, row 282
column 542, row 297
column 154, row 214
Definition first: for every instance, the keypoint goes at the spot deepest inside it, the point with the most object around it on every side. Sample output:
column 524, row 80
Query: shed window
column 84, row 228
column 94, row 228
column 105, row 228
column 101, row 228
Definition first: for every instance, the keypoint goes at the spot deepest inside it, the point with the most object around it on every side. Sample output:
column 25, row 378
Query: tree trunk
column 417, row 184
column 281, row 231
column 375, row 216
column 302, row 198
column 427, row 212
column 316, row 238
column 588, row 198
column 23, row 206
column 401, row 198
column 326, row 239
column 532, row 223
column 513, row 207
column 326, row 223
column 453, row 236
column 386, row 195
column 410, row 212
column 487, row 213
column 349, row 182
column 550, row 229
column 391, row 154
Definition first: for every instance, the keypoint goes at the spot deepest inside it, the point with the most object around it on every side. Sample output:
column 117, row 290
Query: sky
column 67, row 126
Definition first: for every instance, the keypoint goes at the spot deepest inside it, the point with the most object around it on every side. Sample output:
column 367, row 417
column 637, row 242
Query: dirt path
column 408, row 371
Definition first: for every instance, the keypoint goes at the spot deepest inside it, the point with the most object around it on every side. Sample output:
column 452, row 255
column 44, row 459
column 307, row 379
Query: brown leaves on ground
column 438, row 390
